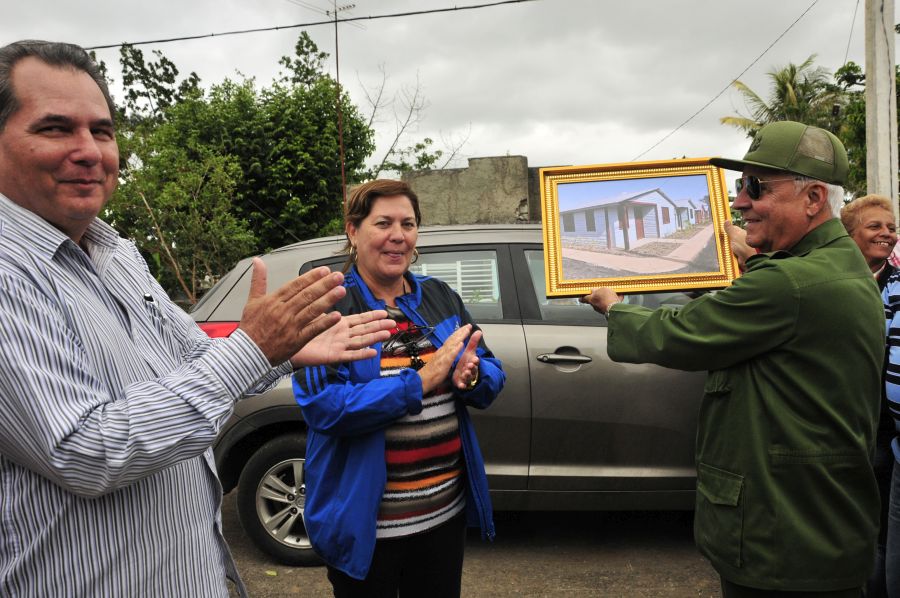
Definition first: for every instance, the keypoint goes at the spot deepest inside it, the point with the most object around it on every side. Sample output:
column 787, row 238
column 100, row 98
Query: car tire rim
column 280, row 502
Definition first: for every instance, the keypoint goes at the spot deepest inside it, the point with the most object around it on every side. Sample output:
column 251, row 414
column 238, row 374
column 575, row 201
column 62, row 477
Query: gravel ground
column 535, row 554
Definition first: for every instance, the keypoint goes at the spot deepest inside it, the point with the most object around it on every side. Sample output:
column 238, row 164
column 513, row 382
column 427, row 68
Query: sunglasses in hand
column 410, row 341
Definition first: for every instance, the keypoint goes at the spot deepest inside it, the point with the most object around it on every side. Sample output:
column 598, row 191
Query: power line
column 849, row 37
column 273, row 219
column 311, row 24
column 727, row 87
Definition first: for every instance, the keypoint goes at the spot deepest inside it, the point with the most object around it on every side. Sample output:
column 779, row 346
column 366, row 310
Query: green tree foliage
column 305, row 67
column 210, row 177
column 183, row 207
column 853, row 129
column 151, row 87
column 285, row 140
column 417, row 156
column 800, row 92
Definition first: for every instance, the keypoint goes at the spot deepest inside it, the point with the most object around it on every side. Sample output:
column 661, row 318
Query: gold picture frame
column 635, row 227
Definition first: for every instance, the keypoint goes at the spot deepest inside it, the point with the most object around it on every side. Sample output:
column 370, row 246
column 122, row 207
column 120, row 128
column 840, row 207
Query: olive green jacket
column 786, row 497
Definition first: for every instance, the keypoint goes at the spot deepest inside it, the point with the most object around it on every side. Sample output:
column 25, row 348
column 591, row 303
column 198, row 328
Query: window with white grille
column 472, row 274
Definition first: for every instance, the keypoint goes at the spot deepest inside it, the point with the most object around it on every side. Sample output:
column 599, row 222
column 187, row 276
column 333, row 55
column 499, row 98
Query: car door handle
column 559, row 357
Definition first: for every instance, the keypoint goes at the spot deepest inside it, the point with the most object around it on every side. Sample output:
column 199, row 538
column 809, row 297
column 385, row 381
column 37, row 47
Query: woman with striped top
column 393, row 467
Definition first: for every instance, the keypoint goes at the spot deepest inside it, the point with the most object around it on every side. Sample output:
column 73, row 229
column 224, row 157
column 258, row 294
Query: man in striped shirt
column 110, row 395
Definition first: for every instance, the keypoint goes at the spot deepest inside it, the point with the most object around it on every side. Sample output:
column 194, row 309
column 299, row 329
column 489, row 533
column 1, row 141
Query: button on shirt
column 110, row 397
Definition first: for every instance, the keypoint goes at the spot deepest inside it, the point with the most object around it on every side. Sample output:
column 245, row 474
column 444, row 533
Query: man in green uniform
column 786, row 498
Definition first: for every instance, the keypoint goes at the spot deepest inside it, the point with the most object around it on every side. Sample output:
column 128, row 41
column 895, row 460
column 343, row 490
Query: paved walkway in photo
column 687, row 251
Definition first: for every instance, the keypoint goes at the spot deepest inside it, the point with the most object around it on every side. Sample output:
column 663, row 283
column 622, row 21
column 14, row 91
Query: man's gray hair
column 835, row 193
column 56, row 54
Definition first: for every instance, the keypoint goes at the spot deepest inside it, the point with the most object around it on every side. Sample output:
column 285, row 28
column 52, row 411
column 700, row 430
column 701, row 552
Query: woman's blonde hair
column 851, row 212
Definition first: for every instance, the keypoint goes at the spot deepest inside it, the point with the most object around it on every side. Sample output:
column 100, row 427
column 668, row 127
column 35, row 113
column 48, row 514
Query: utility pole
column 340, row 112
column 881, row 101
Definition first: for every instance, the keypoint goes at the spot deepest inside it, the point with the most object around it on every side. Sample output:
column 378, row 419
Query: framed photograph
column 636, row 227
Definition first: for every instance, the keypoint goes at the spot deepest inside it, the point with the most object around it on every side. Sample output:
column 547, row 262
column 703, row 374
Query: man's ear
column 816, row 196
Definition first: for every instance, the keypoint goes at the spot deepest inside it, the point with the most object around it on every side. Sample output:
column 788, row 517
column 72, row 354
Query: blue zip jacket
column 347, row 408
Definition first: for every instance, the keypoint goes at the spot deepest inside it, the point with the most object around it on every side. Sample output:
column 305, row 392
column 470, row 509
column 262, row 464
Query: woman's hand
column 348, row 340
column 465, row 375
column 438, row 367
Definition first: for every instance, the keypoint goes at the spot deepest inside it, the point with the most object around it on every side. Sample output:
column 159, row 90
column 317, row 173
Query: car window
column 568, row 310
column 560, row 310
column 210, row 300
column 472, row 274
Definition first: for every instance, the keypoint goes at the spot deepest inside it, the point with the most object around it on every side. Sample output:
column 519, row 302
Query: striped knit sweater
column 423, row 451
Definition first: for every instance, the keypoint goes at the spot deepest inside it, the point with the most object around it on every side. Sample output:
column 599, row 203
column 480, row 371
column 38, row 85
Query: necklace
column 392, row 295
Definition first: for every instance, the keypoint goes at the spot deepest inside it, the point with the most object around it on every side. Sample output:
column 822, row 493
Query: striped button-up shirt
column 110, row 398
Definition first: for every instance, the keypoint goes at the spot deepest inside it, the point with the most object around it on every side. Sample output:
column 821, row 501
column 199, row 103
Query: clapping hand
column 466, row 371
column 438, row 367
column 282, row 322
column 348, row 340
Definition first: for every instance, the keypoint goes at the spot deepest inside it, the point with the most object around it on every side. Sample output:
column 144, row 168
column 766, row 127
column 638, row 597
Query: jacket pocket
column 719, row 518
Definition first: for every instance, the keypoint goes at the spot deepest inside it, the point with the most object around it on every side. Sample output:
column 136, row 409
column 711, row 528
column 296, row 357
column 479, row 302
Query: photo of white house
column 637, row 226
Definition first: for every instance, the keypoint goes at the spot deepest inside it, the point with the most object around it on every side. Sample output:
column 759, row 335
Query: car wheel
column 271, row 498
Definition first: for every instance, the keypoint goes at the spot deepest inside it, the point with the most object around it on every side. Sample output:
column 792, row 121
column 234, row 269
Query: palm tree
column 798, row 92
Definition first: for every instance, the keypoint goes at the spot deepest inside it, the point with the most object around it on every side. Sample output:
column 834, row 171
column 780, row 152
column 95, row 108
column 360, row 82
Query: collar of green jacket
column 822, row 235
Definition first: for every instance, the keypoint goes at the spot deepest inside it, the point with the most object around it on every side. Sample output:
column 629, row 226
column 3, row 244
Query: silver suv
column 571, row 430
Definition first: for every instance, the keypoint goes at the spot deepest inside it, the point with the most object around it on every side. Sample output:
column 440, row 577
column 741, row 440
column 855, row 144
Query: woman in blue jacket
column 393, row 468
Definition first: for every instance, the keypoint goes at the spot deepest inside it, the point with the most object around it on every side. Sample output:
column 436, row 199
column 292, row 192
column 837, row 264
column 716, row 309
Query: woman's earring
column 415, row 256
column 353, row 253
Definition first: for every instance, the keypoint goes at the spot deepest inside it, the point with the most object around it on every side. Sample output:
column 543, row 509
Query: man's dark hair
column 56, row 54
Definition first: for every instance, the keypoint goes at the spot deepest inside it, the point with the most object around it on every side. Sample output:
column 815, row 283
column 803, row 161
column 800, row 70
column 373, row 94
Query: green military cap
column 797, row 148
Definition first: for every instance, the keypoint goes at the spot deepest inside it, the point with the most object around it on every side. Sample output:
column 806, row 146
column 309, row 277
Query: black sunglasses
column 410, row 341
column 754, row 185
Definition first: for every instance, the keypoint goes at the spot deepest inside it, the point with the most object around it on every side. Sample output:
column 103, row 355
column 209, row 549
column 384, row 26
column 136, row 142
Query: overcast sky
column 558, row 81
